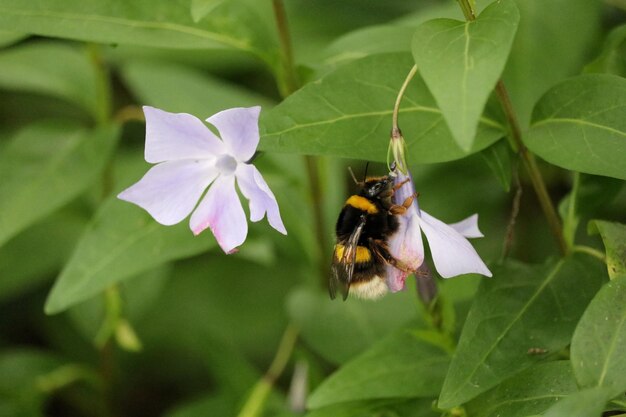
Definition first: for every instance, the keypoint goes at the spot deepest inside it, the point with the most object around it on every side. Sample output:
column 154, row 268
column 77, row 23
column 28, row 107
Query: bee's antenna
column 353, row 177
column 365, row 173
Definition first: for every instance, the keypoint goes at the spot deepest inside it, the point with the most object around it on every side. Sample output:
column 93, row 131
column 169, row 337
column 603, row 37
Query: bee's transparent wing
column 343, row 267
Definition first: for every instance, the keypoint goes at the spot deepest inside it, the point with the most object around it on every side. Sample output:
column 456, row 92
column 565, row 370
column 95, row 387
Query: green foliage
column 461, row 62
column 544, row 336
column 51, row 68
column 120, row 242
column 352, row 116
column 45, row 166
column 535, row 307
column 580, row 124
column 400, row 365
column 530, row 392
column 600, row 339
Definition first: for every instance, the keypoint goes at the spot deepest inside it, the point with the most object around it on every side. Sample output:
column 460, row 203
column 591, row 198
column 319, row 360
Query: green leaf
column 580, row 124
column 53, row 68
column 348, row 114
column 586, row 403
column 378, row 408
column 180, row 89
column 523, row 307
column 399, row 366
column 612, row 59
column 599, row 341
column 535, row 64
column 121, row 241
column 614, row 238
column 498, row 158
column 45, row 166
column 157, row 24
column 462, row 61
column 340, row 331
column 530, row 392
column 52, row 240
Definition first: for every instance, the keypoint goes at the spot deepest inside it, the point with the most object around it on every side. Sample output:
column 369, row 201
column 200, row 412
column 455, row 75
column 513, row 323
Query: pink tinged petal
column 175, row 136
column 221, row 210
column 468, row 227
column 405, row 245
column 239, row 129
column 259, row 195
column 452, row 253
column 170, row 190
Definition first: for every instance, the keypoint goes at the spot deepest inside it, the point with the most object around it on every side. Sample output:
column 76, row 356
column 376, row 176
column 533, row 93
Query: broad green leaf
column 522, row 308
column 53, row 68
column 121, row 241
column 572, row 26
column 586, row 403
column 348, row 114
column 147, row 23
column 614, row 238
column 498, row 158
column 530, row 392
column 580, row 124
column 599, row 341
column 378, row 408
column 340, row 331
column 180, row 89
column 612, row 59
column 36, row 254
column 398, row 366
column 45, row 166
column 462, row 61
column 8, row 37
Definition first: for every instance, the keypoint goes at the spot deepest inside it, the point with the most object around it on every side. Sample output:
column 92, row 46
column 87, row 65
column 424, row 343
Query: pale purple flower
column 452, row 253
column 189, row 159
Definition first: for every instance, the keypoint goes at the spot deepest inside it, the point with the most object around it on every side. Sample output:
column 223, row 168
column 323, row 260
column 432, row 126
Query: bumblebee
column 366, row 222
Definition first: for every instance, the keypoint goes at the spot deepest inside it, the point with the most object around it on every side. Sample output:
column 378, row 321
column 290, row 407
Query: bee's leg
column 400, row 184
column 401, row 209
column 379, row 248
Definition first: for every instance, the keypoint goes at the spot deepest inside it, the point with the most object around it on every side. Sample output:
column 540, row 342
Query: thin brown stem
column 290, row 77
column 529, row 161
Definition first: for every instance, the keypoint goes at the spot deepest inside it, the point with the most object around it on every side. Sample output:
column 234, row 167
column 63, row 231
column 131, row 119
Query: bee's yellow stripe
column 363, row 254
column 362, row 203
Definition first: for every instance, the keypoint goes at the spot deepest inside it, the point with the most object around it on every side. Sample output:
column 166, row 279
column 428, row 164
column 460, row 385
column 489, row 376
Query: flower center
column 226, row 164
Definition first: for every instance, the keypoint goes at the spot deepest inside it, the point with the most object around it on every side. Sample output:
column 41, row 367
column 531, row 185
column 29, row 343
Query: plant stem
column 255, row 402
column 571, row 220
column 533, row 170
column 290, row 83
column 103, row 85
column 290, row 76
column 589, row 251
column 395, row 129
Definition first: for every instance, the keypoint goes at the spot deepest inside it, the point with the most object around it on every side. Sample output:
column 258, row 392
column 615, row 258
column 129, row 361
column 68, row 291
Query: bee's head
column 374, row 187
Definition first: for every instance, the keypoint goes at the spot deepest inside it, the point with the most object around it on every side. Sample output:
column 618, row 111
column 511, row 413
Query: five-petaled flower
column 189, row 159
column 452, row 253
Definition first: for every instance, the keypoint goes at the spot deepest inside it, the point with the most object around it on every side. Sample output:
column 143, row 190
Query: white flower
column 451, row 251
column 189, row 159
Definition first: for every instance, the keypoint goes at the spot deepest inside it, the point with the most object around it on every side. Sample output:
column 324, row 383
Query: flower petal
column 468, row 227
column 174, row 136
column 170, row 190
column 221, row 210
column 259, row 195
column 239, row 128
column 452, row 253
